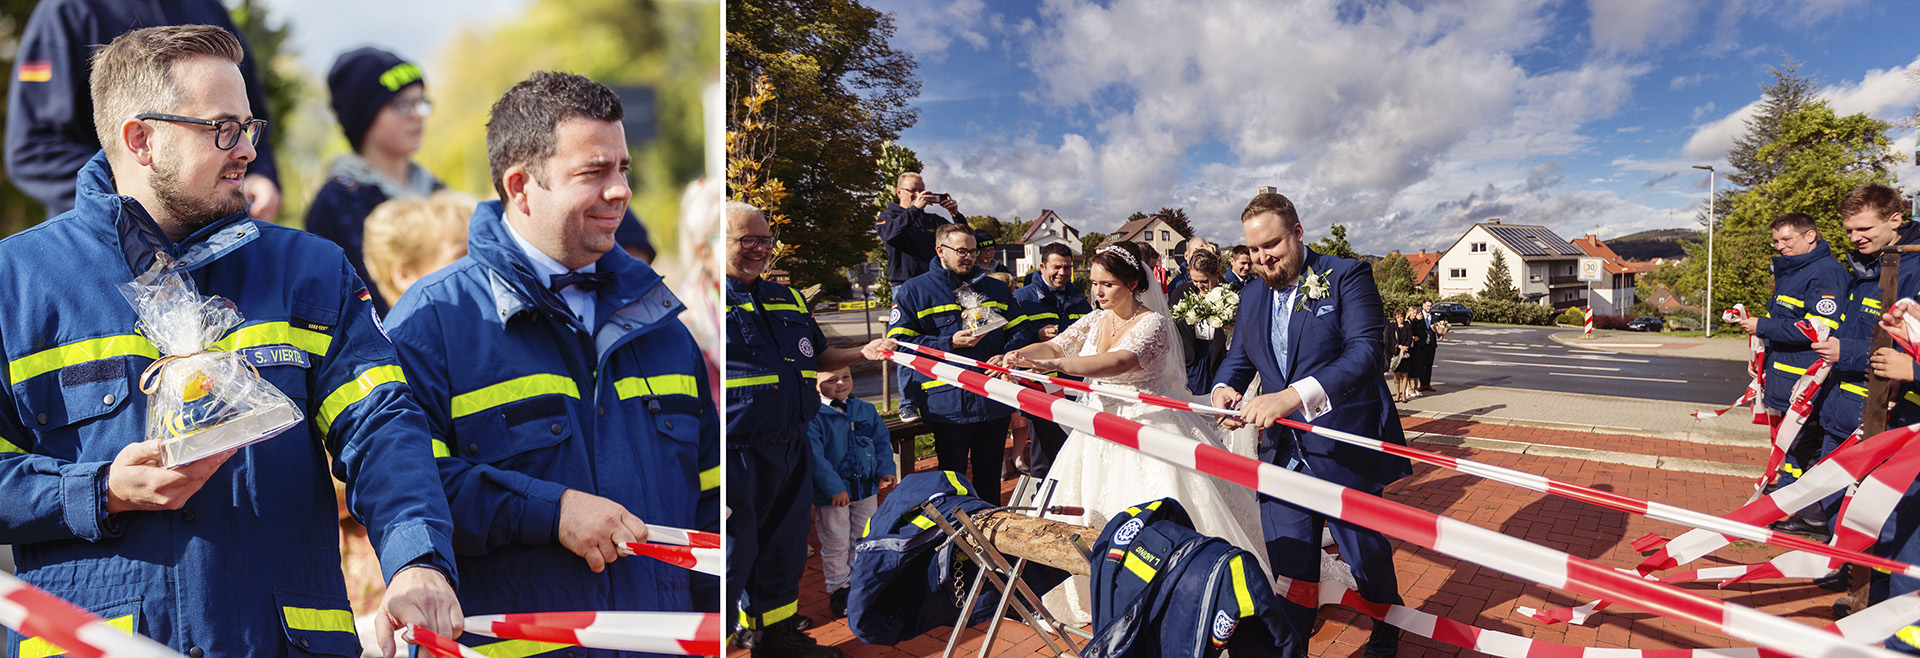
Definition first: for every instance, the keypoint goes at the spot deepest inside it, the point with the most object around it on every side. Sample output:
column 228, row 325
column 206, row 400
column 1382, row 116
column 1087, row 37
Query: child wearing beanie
column 380, row 101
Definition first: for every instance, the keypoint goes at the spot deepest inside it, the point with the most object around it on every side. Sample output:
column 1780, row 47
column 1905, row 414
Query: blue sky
column 1405, row 121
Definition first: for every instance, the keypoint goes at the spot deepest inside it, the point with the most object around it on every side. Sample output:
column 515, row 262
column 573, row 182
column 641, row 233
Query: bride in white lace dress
column 1129, row 343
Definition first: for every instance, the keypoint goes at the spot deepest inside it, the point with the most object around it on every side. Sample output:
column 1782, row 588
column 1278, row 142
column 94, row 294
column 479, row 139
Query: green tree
column 1499, row 284
column 1137, row 215
column 1335, row 244
column 1089, row 242
column 842, row 91
column 894, row 160
column 1394, row 275
column 1177, row 218
column 1788, row 92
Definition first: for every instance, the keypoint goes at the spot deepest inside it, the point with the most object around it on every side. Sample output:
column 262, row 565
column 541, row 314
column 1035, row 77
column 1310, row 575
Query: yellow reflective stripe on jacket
column 710, row 478
column 1871, row 303
column 937, row 309
column 1911, row 396
column 514, row 390
column 354, row 391
column 276, row 333
column 318, row 619
column 800, row 300
column 784, row 307
column 902, row 332
column 1787, row 368
column 1241, row 595
column 932, row 383
column 518, row 648
column 1855, row 389
column 9, row 446
column 1909, row 635
column 954, row 479
column 1790, row 469
column 1790, row 301
column 1043, row 316
column 1827, row 321
column 1016, row 321
column 440, row 448
column 1075, row 316
column 922, row 522
column 39, row 647
column 633, row 387
column 995, row 304
column 49, row 360
column 1139, row 567
column 737, row 382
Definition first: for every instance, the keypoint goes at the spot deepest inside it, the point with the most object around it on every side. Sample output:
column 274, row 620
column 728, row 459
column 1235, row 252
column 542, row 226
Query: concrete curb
column 1587, row 454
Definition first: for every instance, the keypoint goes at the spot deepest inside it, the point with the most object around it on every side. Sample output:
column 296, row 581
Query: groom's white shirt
column 1313, row 397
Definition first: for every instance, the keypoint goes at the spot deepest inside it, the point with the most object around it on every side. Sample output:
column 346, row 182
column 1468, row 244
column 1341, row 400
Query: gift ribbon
column 1526, row 560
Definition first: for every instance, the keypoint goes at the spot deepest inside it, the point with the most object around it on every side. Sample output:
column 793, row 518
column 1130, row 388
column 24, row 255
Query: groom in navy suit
column 1312, row 327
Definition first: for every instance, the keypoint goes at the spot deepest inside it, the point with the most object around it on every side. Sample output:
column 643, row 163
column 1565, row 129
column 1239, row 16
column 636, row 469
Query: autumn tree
column 841, row 93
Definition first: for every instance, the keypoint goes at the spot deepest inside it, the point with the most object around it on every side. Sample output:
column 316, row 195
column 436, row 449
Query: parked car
column 825, row 306
column 1453, row 313
column 1646, row 323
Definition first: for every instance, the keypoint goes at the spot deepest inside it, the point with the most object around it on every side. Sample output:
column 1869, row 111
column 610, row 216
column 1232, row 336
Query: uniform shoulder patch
column 1826, row 306
column 893, row 316
column 36, row 70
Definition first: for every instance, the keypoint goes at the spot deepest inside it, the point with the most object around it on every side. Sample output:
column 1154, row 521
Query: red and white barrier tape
column 704, row 560
column 1756, row 387
column 1072, row 384
column 1799, row 408
column 438, row 645
column 1459, row 539
column 686, row 633
column 659, row 534
column 35, row 613
column 1607, row 499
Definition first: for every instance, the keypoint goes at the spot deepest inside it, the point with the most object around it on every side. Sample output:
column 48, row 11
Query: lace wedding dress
column 1106, row 478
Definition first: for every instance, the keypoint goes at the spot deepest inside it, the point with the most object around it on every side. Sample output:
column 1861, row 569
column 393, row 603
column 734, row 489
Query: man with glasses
column 50, row 131
column 775, row 349
column 1808, row 284
column 237, row 554
column 906, row 228
column 381, row 102
column 927, row 310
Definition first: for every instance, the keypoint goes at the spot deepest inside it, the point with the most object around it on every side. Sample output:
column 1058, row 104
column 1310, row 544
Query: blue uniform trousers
column 769, row 489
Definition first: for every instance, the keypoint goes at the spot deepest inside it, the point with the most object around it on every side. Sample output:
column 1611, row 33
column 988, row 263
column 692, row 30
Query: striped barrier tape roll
column 36, row 614
column 1522, row 479
column 1799, row 408
column 704, row 560
column 1757, row 361
column 659, row 534
column 438, row 645
column 1526, row 560
column 684, row 633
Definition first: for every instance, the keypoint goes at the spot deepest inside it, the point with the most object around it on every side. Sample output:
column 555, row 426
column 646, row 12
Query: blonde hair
column 134, row 73
column 408, row 230
column 1003, row 277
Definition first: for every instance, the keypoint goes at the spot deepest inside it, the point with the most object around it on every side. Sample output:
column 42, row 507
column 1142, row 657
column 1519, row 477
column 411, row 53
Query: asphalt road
column 1525, row 358
column 1497, row 355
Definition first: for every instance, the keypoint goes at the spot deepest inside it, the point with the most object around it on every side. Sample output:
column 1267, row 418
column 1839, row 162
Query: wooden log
column 1039, row 540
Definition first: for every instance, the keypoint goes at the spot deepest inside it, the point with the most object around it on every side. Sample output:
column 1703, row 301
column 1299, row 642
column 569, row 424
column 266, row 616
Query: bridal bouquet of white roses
column 1208, row 311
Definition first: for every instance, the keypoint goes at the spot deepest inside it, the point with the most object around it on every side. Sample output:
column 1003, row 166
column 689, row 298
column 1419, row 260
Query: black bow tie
column 588, row 281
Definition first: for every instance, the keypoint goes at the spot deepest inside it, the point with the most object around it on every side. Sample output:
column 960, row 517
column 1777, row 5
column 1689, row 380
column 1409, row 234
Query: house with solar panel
column 1545, row 267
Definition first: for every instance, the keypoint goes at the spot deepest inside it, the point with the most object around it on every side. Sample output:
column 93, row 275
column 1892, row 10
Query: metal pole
column 1710, row 222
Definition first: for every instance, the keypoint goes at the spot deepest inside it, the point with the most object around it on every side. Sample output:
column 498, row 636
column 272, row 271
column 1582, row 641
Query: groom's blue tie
column 1282, row 316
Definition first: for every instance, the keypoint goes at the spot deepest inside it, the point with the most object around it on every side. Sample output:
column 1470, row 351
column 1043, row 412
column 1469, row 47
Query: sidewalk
column 1657, row 344
column 1578, row 412
column 1442, row 585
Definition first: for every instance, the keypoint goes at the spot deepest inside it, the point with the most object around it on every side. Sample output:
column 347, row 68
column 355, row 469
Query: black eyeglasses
column 754, row 241
column 226, row 132
column 963, row 252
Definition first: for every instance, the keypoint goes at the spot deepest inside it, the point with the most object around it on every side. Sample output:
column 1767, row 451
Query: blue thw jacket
column 1840, row 414
column 907, row 234
column 1812, row 287
column 250, row 565
column 532, row 403
column 926, row 312
column 50, row 111
column 339, row 213
column 772, row 344
column 851, row 451
column 1044, row 307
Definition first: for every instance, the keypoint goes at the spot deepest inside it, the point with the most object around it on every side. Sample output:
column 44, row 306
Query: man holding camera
column 906, row 228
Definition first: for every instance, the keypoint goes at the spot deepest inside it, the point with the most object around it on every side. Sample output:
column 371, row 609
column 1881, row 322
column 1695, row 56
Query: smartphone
column 938, row 197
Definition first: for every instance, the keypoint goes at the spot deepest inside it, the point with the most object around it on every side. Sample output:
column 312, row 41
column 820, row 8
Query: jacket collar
column 1869, row 266
column 120, row 220
column 636, row 300
column 1783, row 265
column 953, row 279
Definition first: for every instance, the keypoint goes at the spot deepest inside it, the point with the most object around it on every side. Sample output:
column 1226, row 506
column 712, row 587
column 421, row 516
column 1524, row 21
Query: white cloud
column 1684, row 81
column 1702, row 110
column 1881, row 93
column 930, row 29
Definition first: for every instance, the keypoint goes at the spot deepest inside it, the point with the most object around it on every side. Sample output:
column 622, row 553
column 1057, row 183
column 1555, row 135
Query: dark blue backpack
column 1162, row 590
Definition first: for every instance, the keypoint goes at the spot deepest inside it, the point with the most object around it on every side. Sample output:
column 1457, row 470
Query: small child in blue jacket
column 852, row 461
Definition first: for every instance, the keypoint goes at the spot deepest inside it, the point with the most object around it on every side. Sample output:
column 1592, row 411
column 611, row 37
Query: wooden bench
column 901, row 435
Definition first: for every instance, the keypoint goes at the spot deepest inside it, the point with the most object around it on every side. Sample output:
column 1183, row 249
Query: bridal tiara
column 1124, row 255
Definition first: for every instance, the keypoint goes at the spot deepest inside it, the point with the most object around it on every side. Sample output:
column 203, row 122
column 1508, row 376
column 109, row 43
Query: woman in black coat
column 1203, row 354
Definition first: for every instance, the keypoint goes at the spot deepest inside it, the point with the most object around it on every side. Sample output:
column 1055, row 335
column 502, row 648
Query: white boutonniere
column 1313, row 285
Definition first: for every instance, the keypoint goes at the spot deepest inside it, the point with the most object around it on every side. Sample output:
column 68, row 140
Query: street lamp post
column 1710, row 222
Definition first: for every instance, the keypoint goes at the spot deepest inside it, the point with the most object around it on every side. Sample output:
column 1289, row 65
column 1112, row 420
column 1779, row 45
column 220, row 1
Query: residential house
column 1153, row 231
column 1048, row 229
column 1544, row 266
column 1424, row 264
column 1614, row 294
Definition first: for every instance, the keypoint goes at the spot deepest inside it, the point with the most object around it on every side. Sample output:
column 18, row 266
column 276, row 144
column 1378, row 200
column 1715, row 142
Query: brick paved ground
column 1441, row 585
